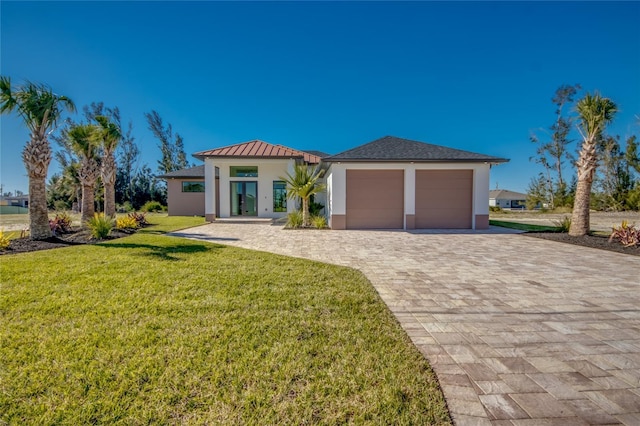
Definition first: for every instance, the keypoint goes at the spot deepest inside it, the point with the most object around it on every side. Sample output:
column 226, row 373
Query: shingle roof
column 257, row 149
column 391, row 148
column 193, row 172
column 506, row 195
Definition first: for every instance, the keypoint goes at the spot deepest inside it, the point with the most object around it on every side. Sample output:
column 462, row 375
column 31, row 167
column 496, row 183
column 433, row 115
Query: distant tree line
column 609, row 163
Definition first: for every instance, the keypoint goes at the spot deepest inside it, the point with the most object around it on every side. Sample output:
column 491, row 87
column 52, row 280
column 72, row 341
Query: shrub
column 126, row 222
column 152, row 206
column 315, row 208
column 294, row 220
column 125, row 207
column 140, row 218
column 495, row 209
column 4, row 240
column 627, row 235
column 60, row 224
column 60, row 205
column 100, row 226
column 319, row 222
column 563, row 224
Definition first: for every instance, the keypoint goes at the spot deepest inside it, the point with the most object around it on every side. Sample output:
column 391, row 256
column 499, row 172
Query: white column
column 210, row 190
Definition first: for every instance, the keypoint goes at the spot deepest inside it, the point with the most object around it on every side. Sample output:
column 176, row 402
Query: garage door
column 443, row 199
column 375, row 199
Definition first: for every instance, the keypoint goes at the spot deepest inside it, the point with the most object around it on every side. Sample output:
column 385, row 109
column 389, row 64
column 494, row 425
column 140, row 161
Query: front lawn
column 152, row 329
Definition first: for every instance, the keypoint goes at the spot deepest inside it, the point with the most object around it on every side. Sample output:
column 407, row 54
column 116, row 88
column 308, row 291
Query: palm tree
column 110, row 135
column 303, row 184
column 40, row 110
column 84, row 141
column 594, row 113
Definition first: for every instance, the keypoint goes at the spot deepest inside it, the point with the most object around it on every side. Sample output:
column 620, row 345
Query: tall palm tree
column 109, row 135
column 40, row 110
column 594, row 113
column 303, row 184
column 84, row 141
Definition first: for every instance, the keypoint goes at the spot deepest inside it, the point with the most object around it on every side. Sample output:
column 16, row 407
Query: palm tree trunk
column 580, row 217
column 109, row 181
column 305, row 212
column 36, row 157
column 38, row 213
column 587, row 163
column 88, row 203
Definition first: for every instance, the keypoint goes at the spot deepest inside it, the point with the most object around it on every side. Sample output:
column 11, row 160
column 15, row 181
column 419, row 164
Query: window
column 243, row 171
column 192, row 186
column 279, row 196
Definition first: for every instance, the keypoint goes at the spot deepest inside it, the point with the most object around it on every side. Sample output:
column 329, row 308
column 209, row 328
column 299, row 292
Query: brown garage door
column 443, row 199
column 375, row 199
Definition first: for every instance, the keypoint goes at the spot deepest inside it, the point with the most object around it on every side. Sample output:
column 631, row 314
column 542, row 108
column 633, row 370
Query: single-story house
column 507, row 199
column 389, row 183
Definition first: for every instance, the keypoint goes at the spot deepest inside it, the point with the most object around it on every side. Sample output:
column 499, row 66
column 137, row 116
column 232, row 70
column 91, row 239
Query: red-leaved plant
column 60, row 224
column 627, row 235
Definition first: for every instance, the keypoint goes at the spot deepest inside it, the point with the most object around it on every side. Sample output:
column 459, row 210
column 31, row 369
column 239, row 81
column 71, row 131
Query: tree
column 84, row 140
column 553, row 153
column 109, row 135
column 303, row 184
column 173, row 154
column 40, row 110
column 594, row 113
column 128, row 154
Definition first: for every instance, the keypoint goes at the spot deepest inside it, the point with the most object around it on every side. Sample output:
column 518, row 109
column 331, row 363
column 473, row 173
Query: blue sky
column 477, row 76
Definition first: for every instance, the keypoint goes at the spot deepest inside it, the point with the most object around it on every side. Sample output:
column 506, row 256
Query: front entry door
column 244, row 198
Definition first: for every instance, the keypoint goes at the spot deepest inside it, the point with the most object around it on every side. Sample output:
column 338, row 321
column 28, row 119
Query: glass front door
column 244, row 198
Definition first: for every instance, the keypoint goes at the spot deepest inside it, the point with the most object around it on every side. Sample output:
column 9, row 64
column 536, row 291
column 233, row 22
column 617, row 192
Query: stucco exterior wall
column 184, row 203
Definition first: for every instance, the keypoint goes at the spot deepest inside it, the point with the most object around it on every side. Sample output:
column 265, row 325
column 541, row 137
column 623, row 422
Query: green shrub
column 627, row 235
column 126, row 222
column 152, row 207
column 4, row 240
column 495, row 209
column 60, row 224
column 60, row 205
column 125, row 207
column 319, row 222
column 294, row 220
column 100, row 226
column 563, row 224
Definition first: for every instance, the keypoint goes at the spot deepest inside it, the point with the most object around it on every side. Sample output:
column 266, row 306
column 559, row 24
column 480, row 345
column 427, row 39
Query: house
column 389, row 183
column 507, row 199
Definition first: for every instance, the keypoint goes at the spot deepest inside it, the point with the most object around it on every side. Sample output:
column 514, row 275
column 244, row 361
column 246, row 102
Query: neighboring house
column 507, row 199
column 390, row 183
column 15, row 201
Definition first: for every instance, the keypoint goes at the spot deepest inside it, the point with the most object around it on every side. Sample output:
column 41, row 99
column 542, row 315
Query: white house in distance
column 507, row 199
column 389, row 183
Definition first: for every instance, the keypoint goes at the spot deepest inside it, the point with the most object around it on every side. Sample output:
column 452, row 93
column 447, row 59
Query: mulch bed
column 80, row 236
column 593, row 241
column 75, row 237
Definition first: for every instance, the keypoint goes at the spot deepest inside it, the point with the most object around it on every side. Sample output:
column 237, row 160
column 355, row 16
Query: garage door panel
column 375, row 199
column 444, row 198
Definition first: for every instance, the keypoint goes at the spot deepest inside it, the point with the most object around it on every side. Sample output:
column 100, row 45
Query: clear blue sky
column 477, row 76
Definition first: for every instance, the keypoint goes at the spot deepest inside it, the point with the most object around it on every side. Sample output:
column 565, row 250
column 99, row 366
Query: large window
column 192, row 186
column 243, row 171
column 279, row 196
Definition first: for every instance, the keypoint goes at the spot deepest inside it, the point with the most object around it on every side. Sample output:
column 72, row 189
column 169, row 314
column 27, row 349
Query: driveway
column 520, row 331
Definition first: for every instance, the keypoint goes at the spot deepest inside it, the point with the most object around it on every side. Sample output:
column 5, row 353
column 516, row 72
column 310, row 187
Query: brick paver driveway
column 518, row 330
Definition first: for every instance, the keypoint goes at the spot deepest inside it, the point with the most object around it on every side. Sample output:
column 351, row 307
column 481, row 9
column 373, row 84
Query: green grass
column 152, row 329
column 524, row 226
